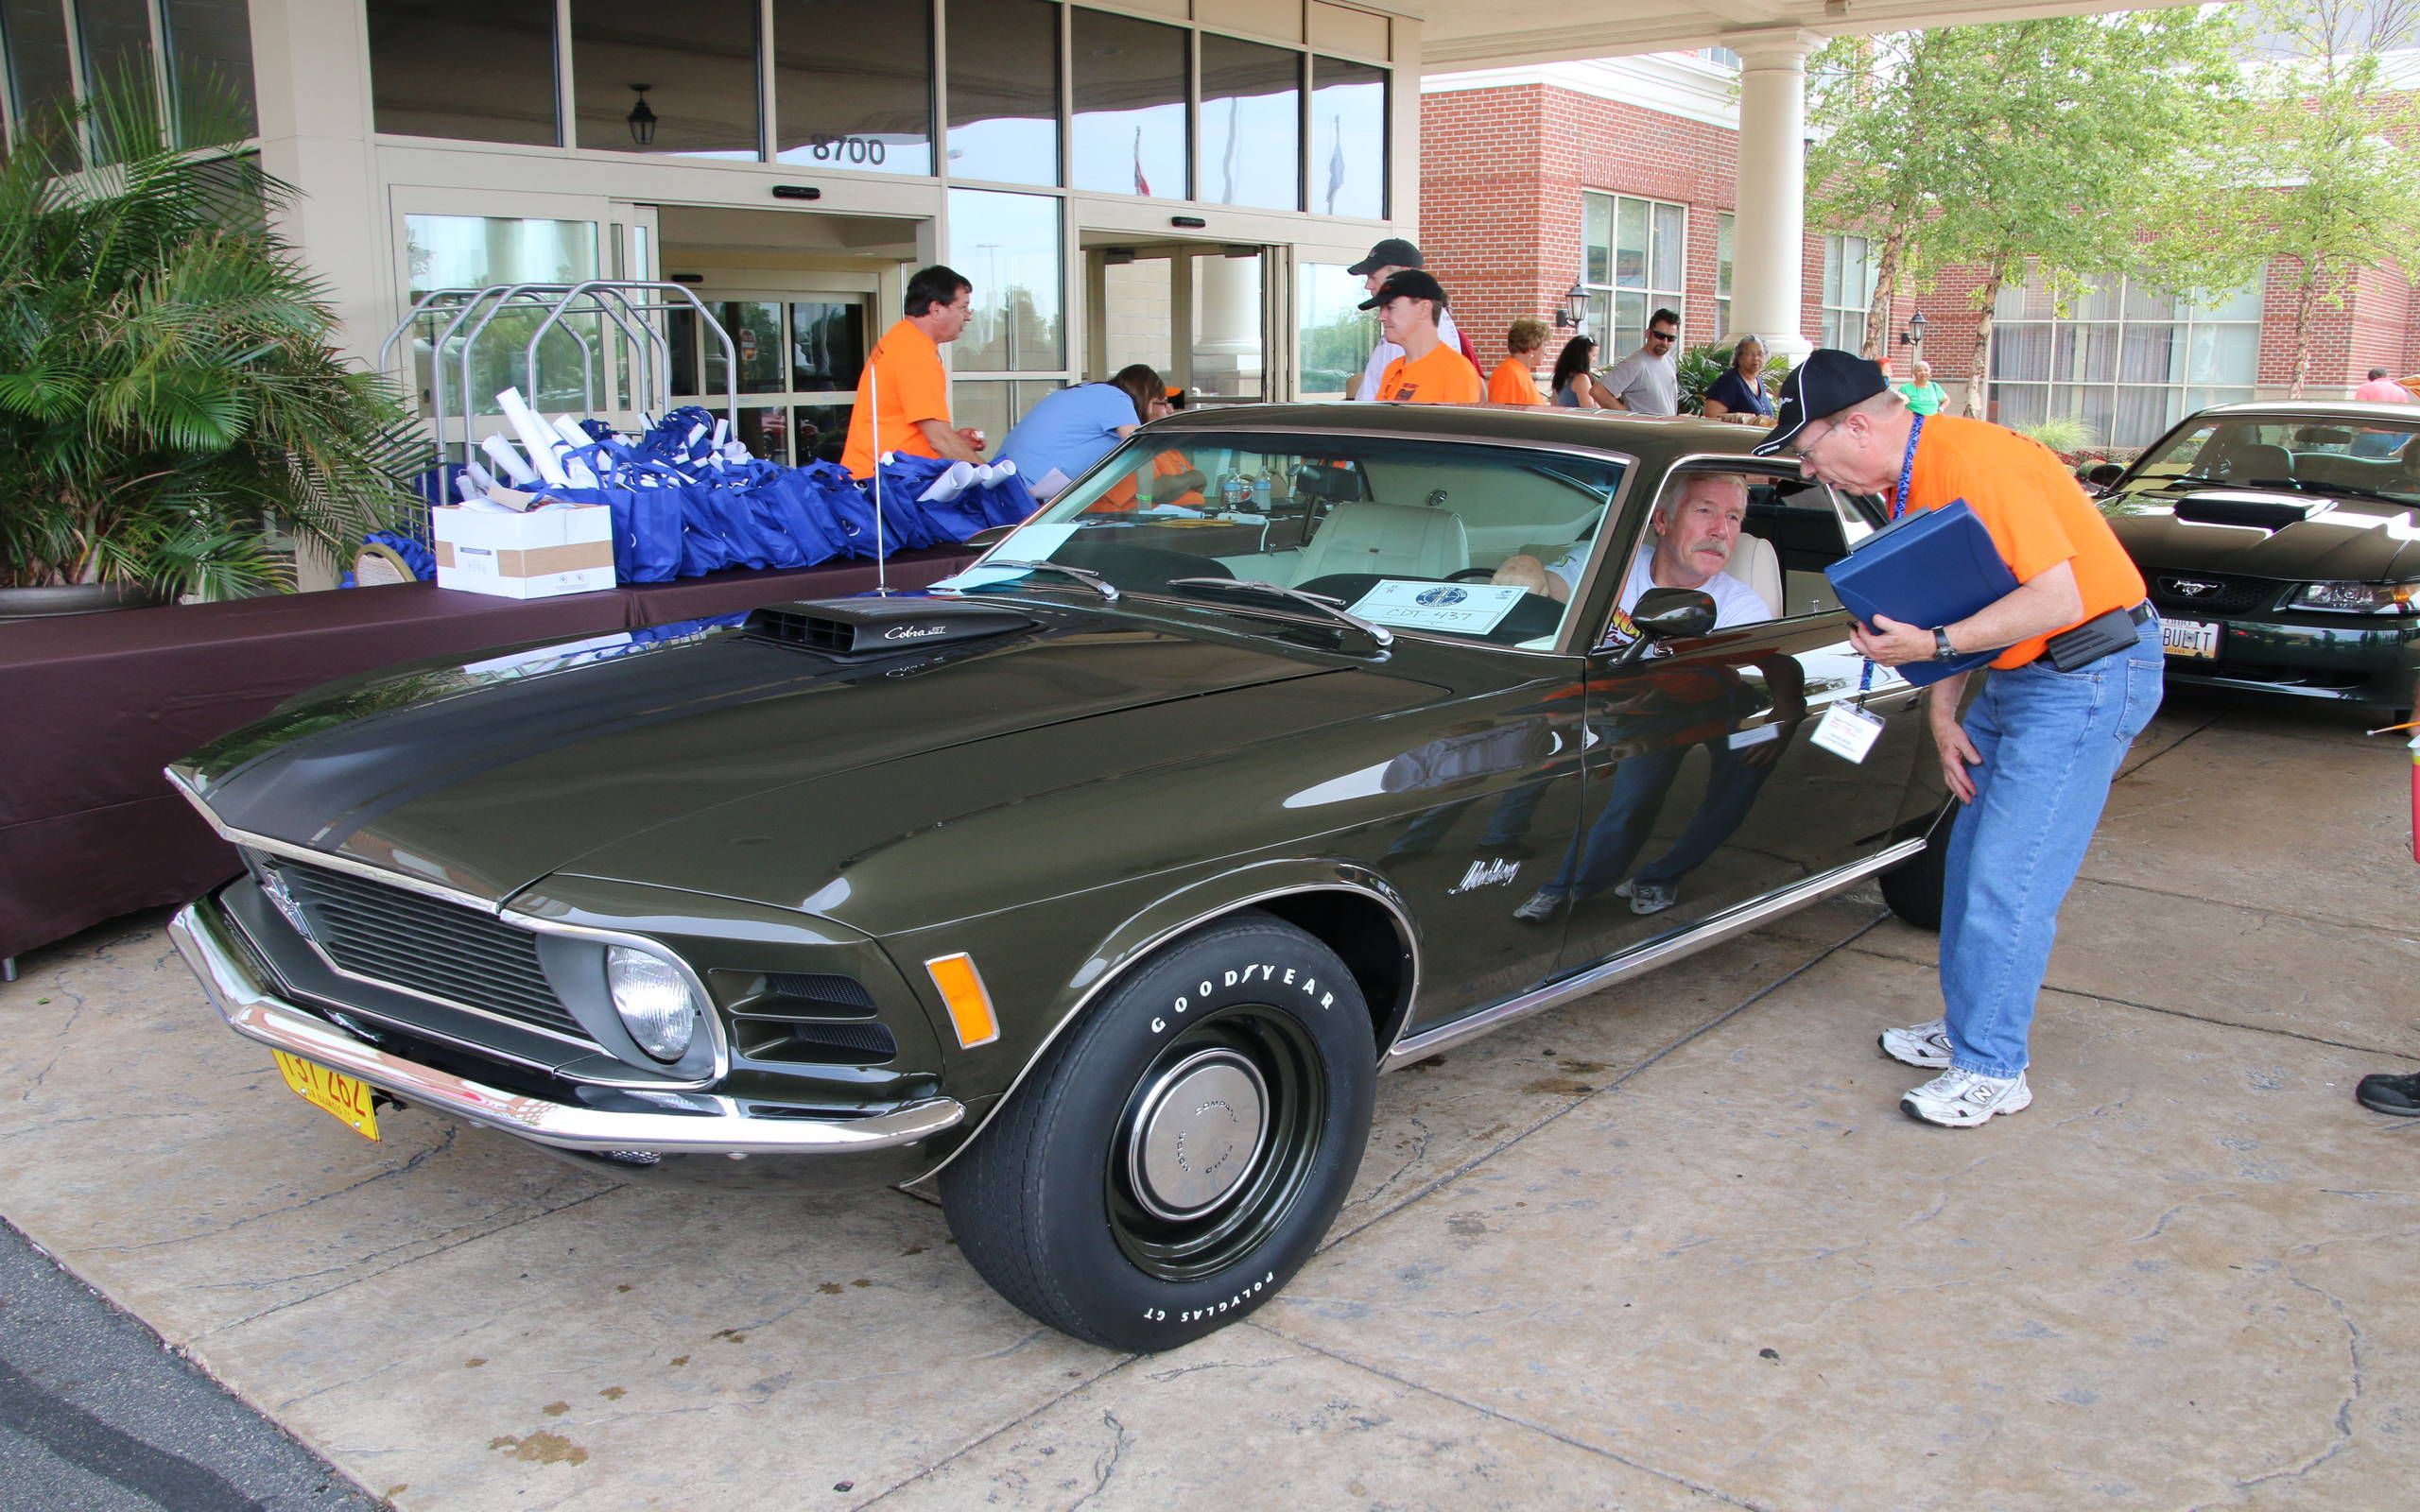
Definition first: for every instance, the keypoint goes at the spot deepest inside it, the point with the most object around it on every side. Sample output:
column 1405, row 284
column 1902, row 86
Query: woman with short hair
column 1738, row 393
column 1513, row 382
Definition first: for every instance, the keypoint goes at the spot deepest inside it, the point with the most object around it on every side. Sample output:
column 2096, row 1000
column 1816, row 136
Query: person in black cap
column 1411, row 307
column 2076, row 677
column 1391, row 256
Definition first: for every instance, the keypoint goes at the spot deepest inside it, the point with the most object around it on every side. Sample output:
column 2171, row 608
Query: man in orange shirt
column 2078, row 675
column 1429, row 371
column 1514, row 381
column 905, row 378
column 1174, row 478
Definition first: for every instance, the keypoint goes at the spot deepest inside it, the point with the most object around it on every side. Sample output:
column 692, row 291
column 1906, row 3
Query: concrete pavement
column 1669, row 1246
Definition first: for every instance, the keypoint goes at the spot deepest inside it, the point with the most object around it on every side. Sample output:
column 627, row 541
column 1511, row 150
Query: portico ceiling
column 1488, row 33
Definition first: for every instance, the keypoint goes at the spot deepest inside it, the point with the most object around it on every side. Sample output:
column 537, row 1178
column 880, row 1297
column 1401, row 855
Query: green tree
column 168, row 381
column 2063, row 142
column 2323, row 174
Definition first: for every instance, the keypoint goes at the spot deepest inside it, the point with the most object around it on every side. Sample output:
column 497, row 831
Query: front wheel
column 1178, row 1153
column 1913, row 889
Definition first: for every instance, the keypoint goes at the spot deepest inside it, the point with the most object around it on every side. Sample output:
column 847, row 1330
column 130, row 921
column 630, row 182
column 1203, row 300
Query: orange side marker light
column 970, row 1002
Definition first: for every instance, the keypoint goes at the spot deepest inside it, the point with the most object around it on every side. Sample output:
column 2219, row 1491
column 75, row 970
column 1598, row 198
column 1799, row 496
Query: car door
column 1704, row 790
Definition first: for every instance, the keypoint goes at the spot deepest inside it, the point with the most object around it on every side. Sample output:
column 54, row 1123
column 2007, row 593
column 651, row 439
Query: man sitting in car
column 1695, row 533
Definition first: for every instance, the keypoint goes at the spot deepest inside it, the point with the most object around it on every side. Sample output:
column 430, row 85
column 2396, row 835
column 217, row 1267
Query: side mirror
column 2102, row 474
column 1669, row 614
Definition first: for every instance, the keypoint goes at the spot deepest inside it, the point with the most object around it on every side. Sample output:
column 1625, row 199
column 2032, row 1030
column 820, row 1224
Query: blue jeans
column 2050, row 742
column 1601, row 857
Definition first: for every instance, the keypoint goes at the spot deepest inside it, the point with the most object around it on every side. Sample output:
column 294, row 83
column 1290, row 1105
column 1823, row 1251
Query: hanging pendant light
column 642, row 119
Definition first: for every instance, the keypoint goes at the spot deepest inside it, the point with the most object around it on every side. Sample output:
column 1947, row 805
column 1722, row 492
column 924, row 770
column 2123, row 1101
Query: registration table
column 96, row 704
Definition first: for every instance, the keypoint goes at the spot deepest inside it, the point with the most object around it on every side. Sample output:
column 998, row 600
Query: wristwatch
column 1942, row 650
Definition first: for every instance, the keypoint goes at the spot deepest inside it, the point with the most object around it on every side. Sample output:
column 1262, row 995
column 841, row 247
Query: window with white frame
column 2127, row 359
column 1724, row 229
column 1848, row 291
column 1632, row 256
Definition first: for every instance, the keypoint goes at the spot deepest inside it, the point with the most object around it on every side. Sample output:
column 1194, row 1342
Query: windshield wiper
column 1084, row 574
column 1333, row 608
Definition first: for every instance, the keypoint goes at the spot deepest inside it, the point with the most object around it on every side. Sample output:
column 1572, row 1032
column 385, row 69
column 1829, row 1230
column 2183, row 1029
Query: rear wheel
column 1177, row 1156
column 1913, row 887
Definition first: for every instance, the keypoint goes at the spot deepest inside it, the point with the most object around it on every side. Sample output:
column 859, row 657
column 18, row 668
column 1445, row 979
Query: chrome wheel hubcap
column 1197, row 1133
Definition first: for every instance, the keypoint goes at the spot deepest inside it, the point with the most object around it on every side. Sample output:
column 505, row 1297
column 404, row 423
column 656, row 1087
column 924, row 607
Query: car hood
column 2337, row 540
column 484, row 777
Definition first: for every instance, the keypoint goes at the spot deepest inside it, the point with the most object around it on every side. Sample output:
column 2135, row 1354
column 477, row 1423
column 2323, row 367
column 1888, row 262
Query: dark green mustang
column 1103, row 879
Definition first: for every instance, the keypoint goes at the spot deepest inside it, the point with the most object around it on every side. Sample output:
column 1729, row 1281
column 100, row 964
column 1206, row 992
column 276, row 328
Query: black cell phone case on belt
column 2091, row 641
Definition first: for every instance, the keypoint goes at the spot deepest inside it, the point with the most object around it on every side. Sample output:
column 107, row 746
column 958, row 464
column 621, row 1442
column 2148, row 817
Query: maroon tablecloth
column 96, row 704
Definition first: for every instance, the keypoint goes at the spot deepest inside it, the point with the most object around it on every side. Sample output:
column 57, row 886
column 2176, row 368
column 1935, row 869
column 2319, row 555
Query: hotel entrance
column 1203, row 314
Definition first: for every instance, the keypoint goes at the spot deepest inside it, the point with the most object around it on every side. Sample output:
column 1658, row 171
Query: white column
column 1226, row 345
column 1767, row 265
column 311, row 78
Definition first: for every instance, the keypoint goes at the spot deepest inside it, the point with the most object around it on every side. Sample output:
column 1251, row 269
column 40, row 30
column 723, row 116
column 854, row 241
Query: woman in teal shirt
column 1924, row 396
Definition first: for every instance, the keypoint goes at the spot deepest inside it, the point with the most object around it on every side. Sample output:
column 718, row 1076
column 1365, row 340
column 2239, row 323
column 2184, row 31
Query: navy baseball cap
column 1826, row 383
column 1410, row 283
column 1392, row 253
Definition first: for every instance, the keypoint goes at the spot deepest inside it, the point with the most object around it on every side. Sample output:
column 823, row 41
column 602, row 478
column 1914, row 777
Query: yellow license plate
column 346, row 1097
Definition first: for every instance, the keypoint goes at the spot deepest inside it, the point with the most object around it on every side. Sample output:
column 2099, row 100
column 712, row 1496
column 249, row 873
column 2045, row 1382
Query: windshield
column 1401, row 533
column 2298, row 455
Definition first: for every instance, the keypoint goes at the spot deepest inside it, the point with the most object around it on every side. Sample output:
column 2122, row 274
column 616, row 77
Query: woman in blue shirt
column 1073, row 428
column 1574, row 386
column 1738, row 393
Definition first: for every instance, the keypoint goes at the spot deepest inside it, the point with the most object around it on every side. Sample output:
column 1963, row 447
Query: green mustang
column 1103, row 878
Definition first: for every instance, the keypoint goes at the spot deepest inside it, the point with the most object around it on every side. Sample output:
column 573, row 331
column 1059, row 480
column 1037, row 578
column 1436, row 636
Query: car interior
column 1378, row 509
column 2292, row 455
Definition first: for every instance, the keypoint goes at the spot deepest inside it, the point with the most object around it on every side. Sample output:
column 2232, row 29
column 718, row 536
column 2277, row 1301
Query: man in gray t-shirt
column 1649, row 380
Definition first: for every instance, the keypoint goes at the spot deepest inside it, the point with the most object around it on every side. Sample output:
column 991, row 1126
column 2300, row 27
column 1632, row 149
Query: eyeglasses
column 1661, row 335
column 1808, row 438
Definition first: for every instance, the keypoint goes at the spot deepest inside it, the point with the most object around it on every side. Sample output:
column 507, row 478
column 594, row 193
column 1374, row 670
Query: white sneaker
column 1540, row 907
column 1962, row 1099
column 1924, row 1044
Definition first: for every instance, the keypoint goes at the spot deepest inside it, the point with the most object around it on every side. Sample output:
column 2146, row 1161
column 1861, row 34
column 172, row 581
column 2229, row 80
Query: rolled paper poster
column 952, row 482
column 509, row 462
column 478, row 475
column 471, row 489
column 537, row 436
column 570, row 438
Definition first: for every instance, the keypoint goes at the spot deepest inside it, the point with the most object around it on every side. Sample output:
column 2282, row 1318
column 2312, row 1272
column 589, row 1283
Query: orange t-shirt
column 1514, row 383
column 914, row 387
column 2036, row 510
column 1443, row 377
column 1121, row 497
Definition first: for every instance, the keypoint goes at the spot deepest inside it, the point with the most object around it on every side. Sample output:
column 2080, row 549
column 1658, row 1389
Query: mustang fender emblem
column 1484, row 874
column 2190, row 588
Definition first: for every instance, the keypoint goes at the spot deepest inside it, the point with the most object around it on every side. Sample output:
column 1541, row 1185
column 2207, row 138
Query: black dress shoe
column 2388, row 1093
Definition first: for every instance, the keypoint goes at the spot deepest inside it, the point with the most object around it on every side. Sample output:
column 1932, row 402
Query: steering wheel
column 1472, row 574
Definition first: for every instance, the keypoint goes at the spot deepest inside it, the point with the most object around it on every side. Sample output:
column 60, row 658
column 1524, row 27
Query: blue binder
column 1933, row 567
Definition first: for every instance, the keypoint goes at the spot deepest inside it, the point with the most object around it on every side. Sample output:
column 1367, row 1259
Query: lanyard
column 1899, row 508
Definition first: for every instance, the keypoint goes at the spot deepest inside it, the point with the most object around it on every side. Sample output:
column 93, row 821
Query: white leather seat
column 1391, row 539
column 1754, row 562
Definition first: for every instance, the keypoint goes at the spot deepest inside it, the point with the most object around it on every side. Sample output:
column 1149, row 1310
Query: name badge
column 1847, row 732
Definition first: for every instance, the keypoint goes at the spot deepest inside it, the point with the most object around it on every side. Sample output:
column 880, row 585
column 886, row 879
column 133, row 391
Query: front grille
column 427, row 945
column 2215, row 594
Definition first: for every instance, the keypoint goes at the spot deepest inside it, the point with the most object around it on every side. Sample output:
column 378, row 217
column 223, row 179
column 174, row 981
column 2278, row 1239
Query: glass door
column 1198, row 315
column 799, row 354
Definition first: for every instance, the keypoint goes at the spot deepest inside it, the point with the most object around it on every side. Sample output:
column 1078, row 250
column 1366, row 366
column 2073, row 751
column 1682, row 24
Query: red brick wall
column 1502, row 171
column 1501, row 175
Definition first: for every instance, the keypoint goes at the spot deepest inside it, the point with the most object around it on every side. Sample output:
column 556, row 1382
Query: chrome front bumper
column 714, row 1125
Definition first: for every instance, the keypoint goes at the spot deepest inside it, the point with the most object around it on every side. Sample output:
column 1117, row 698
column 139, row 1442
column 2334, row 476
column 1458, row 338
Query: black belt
column 2100, row 636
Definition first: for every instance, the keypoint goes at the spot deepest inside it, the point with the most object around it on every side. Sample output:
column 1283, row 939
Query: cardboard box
column 565, row 549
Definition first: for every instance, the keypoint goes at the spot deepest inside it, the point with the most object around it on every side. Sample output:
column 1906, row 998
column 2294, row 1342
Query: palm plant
column 168, row 385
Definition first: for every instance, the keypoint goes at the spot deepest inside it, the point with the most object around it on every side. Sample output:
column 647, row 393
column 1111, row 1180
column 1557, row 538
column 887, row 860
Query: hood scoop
column 881, row 627
column 2271, row 515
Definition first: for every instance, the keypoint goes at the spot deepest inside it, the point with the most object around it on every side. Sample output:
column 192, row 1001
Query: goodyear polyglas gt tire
column 1177, row 1153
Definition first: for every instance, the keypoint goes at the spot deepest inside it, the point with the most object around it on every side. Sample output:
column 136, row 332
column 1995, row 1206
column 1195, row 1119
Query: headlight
column 654, row 1001
column 2360, row 599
